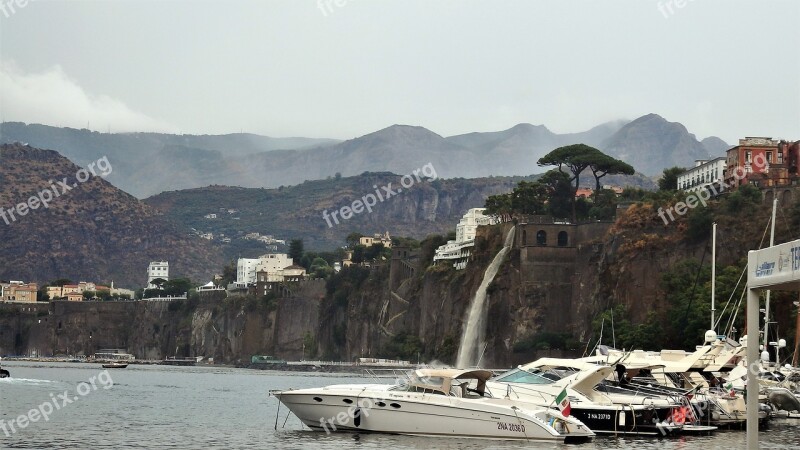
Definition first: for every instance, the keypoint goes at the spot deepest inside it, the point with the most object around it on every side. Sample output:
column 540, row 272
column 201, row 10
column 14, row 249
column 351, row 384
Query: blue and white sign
column 774, row 267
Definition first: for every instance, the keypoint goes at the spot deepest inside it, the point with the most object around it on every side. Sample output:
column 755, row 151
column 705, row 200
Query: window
column 522, row 376
column 563, row 239
column 769, row 157
column 780, row 157
column 541, row 237
column 748, row 156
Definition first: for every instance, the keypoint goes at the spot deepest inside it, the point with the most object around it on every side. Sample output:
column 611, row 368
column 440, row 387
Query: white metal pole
column 752, row 368
column 713, row 274
column 771, row 243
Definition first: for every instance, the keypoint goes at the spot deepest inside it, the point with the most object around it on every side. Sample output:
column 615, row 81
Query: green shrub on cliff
column 404, row 346
column 614, row 328
column 544, row 341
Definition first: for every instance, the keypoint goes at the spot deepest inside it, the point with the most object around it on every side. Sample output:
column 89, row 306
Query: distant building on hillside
column 208, row 287
column 762, row 161
column 18, row 292
column 246, row 270
column 588, row 193
column 157, row 269
column 458, row 251
column 74, row 292
column 704, row 174
column 377, row 238
column 272, row 266
column 122, row 292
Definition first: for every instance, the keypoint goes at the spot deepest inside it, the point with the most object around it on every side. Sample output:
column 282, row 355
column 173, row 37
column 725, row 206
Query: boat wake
column 29, row 381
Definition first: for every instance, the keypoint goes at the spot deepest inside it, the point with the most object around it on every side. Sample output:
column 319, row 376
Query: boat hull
column 432, row 415
column 626, row 420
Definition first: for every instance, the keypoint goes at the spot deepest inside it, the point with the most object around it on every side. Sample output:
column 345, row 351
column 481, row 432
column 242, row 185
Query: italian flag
column 563, row 403
column 729, row 387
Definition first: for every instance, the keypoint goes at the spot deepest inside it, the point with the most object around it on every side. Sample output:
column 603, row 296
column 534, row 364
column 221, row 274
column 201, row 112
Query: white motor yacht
column 431, row 402
column 603, row 410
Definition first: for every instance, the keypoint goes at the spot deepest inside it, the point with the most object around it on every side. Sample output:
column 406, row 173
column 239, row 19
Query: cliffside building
column 552, row 255
column 18, row 292
column 157, row 269
column 704, row 174
column 272, row 267
column 246, row 270
column 457, row 252
column 377, row 238
column 74, row 292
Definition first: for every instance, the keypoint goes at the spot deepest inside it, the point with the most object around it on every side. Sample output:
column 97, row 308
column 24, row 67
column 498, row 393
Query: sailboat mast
column 771, row 243
column 713, row 274
column 796, row 357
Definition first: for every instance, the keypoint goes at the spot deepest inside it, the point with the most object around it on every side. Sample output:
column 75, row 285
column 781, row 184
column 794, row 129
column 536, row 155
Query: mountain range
column 83, row 228
column 91, row 230
column 148, row 163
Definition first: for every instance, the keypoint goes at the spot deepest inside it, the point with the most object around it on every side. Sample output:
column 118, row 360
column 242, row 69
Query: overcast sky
column 313, row 68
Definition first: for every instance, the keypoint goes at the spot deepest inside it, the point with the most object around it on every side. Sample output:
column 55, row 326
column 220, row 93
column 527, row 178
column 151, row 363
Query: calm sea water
column 213, row 407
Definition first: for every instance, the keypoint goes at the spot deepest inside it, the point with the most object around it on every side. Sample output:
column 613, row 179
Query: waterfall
column 474, row 333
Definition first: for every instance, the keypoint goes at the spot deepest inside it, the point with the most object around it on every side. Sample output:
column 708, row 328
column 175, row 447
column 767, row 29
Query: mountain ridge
column 151, row 163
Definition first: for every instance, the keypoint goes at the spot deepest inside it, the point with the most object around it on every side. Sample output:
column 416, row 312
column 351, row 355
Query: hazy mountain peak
column 398, row 131
column 527, row 127
column 651, row 143
column 715, row 146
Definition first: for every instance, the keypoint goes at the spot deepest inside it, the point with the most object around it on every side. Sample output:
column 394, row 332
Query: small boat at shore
column 115, row 365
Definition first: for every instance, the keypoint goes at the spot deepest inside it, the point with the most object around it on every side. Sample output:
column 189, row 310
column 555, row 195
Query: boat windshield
column 428, row 385
column 532, row 376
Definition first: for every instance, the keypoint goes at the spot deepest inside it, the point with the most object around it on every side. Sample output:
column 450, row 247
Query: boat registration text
column 519, row 428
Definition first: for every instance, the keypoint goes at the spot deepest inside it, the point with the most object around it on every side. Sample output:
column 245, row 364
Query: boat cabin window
column 523, row 376
column 432, row 385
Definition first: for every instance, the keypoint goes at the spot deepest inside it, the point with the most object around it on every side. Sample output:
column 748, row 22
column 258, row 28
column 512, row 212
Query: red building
column 762, row 161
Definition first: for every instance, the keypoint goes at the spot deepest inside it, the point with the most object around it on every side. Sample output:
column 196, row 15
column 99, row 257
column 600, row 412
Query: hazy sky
column 344, row 68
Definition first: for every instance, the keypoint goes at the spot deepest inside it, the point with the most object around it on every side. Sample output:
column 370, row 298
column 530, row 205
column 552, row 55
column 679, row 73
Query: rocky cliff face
column 429, row 206
column 427, row 312
column 546, row 298
column 547, row 293
column 228, row 330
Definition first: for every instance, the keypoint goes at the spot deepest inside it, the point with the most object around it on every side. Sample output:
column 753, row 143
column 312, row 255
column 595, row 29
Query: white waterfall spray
column 474, row 333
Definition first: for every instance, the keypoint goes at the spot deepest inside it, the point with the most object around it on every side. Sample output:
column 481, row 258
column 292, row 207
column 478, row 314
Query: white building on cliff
column 157, row 269
column 276, row 265
column 457, row 252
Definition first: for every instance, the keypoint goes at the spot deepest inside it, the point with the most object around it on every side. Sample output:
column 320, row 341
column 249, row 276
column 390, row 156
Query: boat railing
column 320, row 363
column 380, row 375
column 640, row 391
column 526, row 390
